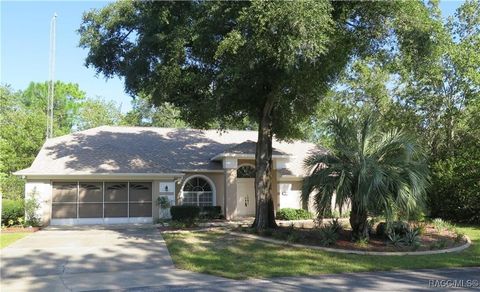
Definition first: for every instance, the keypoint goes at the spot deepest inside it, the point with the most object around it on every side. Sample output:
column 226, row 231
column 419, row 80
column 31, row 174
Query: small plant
column 11, row 222
column 163, row 202
column 421, row 228
column 20, row 221
column 439, row 244
column 371, row 223
column 328, row 235
column 31, row 207
column 459, row 237
column 362, row 242
column 396, row 239
column 439, row 224
column 335, row 224
column 412, row 238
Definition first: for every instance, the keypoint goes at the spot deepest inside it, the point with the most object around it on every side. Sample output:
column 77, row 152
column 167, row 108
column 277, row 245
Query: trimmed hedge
column 293, row 214
column 184, row 213
column 211, row 212
column 12, row 210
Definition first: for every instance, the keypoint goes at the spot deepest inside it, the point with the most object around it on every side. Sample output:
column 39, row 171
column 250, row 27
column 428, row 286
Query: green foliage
column 376, row 172
column 412, row 238
column 211, row 212
column 31, row 207
column 185, row 213
column 293, row 214
column 396, row 239
column 328, row 235
column 97, row 112
column 12, row 210
column 163, row 202
column 335, row 224
column 397, row 227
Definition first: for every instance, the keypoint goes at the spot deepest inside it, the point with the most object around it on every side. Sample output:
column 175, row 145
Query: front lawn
column 8, row 238
column 225, row 255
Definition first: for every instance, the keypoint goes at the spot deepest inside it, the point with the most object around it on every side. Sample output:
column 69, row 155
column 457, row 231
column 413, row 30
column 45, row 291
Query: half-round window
column 197, row 191
column 246, row 171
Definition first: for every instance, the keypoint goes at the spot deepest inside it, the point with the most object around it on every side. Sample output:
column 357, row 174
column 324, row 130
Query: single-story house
column 116, row 174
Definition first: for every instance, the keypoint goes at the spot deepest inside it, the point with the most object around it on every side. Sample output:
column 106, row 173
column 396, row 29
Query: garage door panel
column 116, row 192
column 63, row 211
column 140, row 192
column 64, row 192
column 91, row 192
column 90, row 210
column 116, row 210
column 140, row 209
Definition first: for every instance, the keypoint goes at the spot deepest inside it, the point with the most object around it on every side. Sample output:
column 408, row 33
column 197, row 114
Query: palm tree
column 375, row 172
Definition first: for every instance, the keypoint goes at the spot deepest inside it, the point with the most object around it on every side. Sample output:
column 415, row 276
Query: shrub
column 396, row 239
column 293, row 214
column 12, row 210
column 31, row 207
column 398, row 227
column 439, row 224
column 335, row 225
column 328, row 235
column 184, row 213
column 412, row 238
column 211, row 212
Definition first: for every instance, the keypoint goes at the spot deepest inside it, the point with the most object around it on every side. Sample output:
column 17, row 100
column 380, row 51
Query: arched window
column 246, row 171
column 197, row 191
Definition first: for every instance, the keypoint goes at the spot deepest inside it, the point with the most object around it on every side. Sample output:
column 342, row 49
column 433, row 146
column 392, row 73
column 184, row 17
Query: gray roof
column 110, row 150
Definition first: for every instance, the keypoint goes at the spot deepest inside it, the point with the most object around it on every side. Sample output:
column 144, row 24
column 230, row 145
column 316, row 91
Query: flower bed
column 20, row 229
column 431, row 238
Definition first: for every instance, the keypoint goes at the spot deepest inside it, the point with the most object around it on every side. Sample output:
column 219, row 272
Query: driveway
column 87, row 258
column 135, row 258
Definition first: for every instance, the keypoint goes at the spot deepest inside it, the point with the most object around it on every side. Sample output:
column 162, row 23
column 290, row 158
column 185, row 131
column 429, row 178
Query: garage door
column 101, row 202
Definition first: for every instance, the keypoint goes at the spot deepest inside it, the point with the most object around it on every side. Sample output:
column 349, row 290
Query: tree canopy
column 270, row 62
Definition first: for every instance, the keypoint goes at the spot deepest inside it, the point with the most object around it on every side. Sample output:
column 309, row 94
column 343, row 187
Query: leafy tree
column 144, row 114
column 67, row 101
column 269, row 62
column 373, row 171
column 97, row 112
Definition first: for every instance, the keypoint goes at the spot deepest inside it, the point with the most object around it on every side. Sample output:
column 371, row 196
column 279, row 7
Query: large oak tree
column 269, row 62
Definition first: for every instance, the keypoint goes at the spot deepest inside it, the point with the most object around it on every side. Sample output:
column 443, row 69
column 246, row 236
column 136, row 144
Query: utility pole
column 51, row 82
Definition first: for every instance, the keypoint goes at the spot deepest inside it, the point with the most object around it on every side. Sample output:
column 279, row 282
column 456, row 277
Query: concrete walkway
column 135, row 258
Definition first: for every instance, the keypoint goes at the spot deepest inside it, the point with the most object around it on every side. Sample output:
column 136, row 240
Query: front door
column 245, row 197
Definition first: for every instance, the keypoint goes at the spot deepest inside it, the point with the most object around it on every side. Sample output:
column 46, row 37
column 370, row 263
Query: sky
column 24, row 44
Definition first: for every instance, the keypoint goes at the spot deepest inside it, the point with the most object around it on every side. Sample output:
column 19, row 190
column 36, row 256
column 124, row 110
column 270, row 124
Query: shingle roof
column 248, row 148
column 149, row 150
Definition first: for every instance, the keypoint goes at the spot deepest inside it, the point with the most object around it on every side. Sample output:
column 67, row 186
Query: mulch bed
column 430, row 240
column 15, row 229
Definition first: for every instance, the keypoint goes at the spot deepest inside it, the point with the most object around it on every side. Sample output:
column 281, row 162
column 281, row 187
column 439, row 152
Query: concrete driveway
column 88, row 258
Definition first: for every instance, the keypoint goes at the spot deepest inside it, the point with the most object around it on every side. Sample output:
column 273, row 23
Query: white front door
column 245, row 197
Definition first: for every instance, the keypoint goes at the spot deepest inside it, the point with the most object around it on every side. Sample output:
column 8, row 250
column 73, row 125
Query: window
column 197, row 191
column 246, row 171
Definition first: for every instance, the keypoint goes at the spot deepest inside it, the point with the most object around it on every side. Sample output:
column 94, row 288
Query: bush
column 12, row 210
column 184, row 213
column 211, row 212
column 397, row 227
column 293, row 214
column 328, row 235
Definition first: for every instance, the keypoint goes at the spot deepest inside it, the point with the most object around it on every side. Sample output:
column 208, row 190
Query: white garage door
column 101, row 202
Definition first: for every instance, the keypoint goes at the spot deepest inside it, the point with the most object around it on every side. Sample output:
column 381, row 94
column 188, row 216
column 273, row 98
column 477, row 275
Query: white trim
column 201, row 170
column 101, row 176
column 230, row 163
column 242, row 156
column 288, row 178
column 209, row 180
column 92, row 221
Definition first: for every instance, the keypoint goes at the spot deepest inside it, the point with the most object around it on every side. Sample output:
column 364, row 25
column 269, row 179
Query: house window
column 197, row 191
column 246, row 171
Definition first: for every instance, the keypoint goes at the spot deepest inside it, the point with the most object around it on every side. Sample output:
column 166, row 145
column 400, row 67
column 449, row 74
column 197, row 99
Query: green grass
column 8, row 238
column 233, row 257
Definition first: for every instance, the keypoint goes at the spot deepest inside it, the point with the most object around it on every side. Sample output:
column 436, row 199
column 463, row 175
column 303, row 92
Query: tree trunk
column 358, row 222
column 264, row 215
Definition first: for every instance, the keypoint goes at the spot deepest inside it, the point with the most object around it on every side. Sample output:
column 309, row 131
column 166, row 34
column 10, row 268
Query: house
column 116, row 174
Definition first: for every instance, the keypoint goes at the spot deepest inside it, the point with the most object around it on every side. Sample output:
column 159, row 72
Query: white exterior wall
column 289, row 198
column 42, row 190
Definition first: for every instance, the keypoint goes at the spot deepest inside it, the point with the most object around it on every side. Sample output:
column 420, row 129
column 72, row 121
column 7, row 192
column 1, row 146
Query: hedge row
column 190, row 213
column 12, row 210
column 293, row 214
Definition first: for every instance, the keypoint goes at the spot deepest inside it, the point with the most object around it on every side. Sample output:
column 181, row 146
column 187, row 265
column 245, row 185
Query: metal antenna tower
column 51, row 73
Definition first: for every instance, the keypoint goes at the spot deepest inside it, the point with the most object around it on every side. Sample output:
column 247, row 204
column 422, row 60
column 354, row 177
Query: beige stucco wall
column 42, row 190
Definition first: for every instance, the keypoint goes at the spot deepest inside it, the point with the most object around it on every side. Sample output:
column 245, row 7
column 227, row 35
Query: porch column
column 230, row 200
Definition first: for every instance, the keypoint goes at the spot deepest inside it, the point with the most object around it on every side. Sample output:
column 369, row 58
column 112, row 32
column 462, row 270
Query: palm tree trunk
column 264, row 215
column 358, row 222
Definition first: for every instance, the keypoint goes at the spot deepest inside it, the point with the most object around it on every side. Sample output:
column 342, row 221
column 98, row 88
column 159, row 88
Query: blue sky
column 24, row 46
